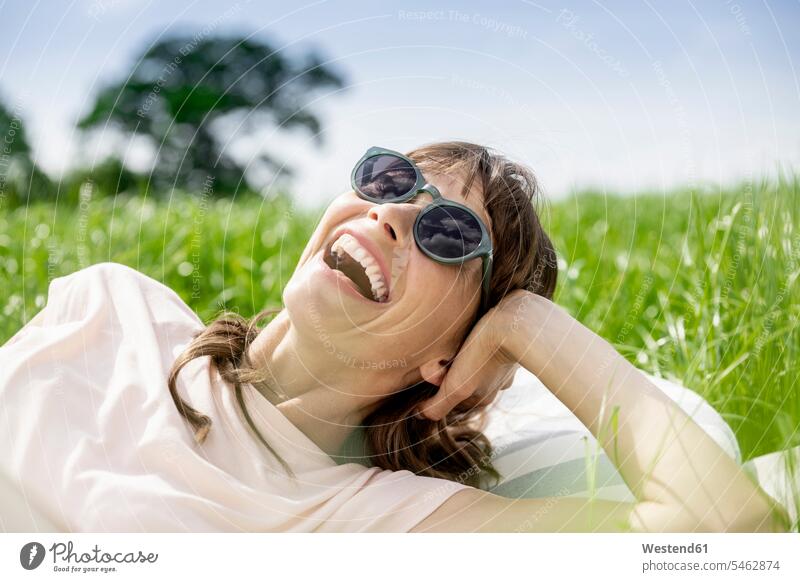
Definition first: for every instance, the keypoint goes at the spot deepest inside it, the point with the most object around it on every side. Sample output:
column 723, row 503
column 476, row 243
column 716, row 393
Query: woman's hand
column 484, row 364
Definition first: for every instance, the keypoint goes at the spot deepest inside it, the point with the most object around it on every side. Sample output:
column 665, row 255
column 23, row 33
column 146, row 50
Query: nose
column 395, row 221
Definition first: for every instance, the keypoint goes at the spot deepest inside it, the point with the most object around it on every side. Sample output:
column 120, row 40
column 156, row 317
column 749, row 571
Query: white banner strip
column 400, row 557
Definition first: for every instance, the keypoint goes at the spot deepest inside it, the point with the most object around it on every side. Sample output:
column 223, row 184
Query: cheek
column 340, row 210
column 444, row 283
column 437, row 290
column 343, row 208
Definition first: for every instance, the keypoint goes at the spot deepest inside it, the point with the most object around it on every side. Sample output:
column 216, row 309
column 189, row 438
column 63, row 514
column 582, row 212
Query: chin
column 313, row 307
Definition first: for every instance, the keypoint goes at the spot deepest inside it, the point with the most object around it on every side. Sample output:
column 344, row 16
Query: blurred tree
column 14, row 142
column 183, row 91
column 108, row 178
column 20, row 178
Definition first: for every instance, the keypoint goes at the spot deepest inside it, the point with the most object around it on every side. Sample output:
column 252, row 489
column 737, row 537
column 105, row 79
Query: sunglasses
column 446, row 231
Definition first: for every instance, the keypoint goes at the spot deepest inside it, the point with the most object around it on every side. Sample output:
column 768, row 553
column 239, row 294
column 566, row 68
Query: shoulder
column 88, row 277
column 118, row 284
column 104, row 271
column 104, row 275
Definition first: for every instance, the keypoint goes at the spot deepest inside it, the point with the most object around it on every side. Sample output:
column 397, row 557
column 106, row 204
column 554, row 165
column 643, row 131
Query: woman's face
column 384, row 305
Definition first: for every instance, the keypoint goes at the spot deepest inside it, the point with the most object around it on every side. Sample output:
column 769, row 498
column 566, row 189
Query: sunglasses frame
column 484, row 249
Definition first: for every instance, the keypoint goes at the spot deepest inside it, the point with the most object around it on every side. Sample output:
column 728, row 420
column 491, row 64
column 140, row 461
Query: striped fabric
column 543, row 450
column 555, row 464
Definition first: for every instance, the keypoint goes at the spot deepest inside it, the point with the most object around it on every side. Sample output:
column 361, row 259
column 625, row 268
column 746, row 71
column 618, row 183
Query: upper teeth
column 348, row 243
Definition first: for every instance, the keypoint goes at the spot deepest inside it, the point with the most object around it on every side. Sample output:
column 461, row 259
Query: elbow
column 772, row 519
column 763, row 515
column 766, row 516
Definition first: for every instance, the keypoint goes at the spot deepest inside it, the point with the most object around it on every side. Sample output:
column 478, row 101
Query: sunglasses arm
column 486, row 283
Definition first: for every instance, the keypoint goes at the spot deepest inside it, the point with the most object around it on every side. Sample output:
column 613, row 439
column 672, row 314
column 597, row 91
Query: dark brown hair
column 454, row 447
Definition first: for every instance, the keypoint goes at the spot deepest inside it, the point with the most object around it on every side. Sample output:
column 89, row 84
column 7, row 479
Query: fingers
column 508, row 381
column 475, row 371
column 481, row 389
column 449, row 395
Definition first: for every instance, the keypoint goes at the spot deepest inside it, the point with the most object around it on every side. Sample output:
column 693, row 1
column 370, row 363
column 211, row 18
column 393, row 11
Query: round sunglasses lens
column 385, row 177
column 449, row 232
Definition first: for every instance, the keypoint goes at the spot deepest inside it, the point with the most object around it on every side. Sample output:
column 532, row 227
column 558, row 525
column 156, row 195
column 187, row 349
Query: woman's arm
column 473, row 510
column 682, row 480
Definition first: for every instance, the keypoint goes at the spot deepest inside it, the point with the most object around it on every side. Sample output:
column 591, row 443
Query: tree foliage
column 184, row 92
column 13, row 141
column 20, row 178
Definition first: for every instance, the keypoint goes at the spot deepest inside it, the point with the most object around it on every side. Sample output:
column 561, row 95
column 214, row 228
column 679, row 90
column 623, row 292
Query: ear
column 433, row 371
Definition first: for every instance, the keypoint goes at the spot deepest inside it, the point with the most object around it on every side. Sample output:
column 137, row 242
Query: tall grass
column 215, row 253
column 698, row 288
column 701, row 289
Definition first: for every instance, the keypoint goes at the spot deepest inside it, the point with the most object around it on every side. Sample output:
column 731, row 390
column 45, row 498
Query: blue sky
column 622, row 96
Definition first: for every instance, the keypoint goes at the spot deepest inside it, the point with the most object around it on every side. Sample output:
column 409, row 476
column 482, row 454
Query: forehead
column 451, row 185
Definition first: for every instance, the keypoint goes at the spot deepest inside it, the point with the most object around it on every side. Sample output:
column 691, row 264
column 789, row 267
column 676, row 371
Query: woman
column 375, row 287
column 420, row 293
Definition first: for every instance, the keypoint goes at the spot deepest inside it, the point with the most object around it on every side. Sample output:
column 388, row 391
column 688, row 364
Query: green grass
column 701, row 289
column 698, row 288
column 216, row 254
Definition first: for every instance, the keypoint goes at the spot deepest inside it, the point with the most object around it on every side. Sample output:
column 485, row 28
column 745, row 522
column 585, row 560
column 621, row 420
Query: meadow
column 700, row 288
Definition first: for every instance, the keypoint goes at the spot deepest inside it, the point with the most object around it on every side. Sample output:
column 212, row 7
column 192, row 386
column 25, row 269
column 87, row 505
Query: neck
column 320, row 395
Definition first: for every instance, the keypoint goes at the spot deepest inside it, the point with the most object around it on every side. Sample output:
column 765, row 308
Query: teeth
column 348, row 244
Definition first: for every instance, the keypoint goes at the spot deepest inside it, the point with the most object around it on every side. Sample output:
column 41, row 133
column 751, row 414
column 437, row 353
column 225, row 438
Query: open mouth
column 347, row 255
